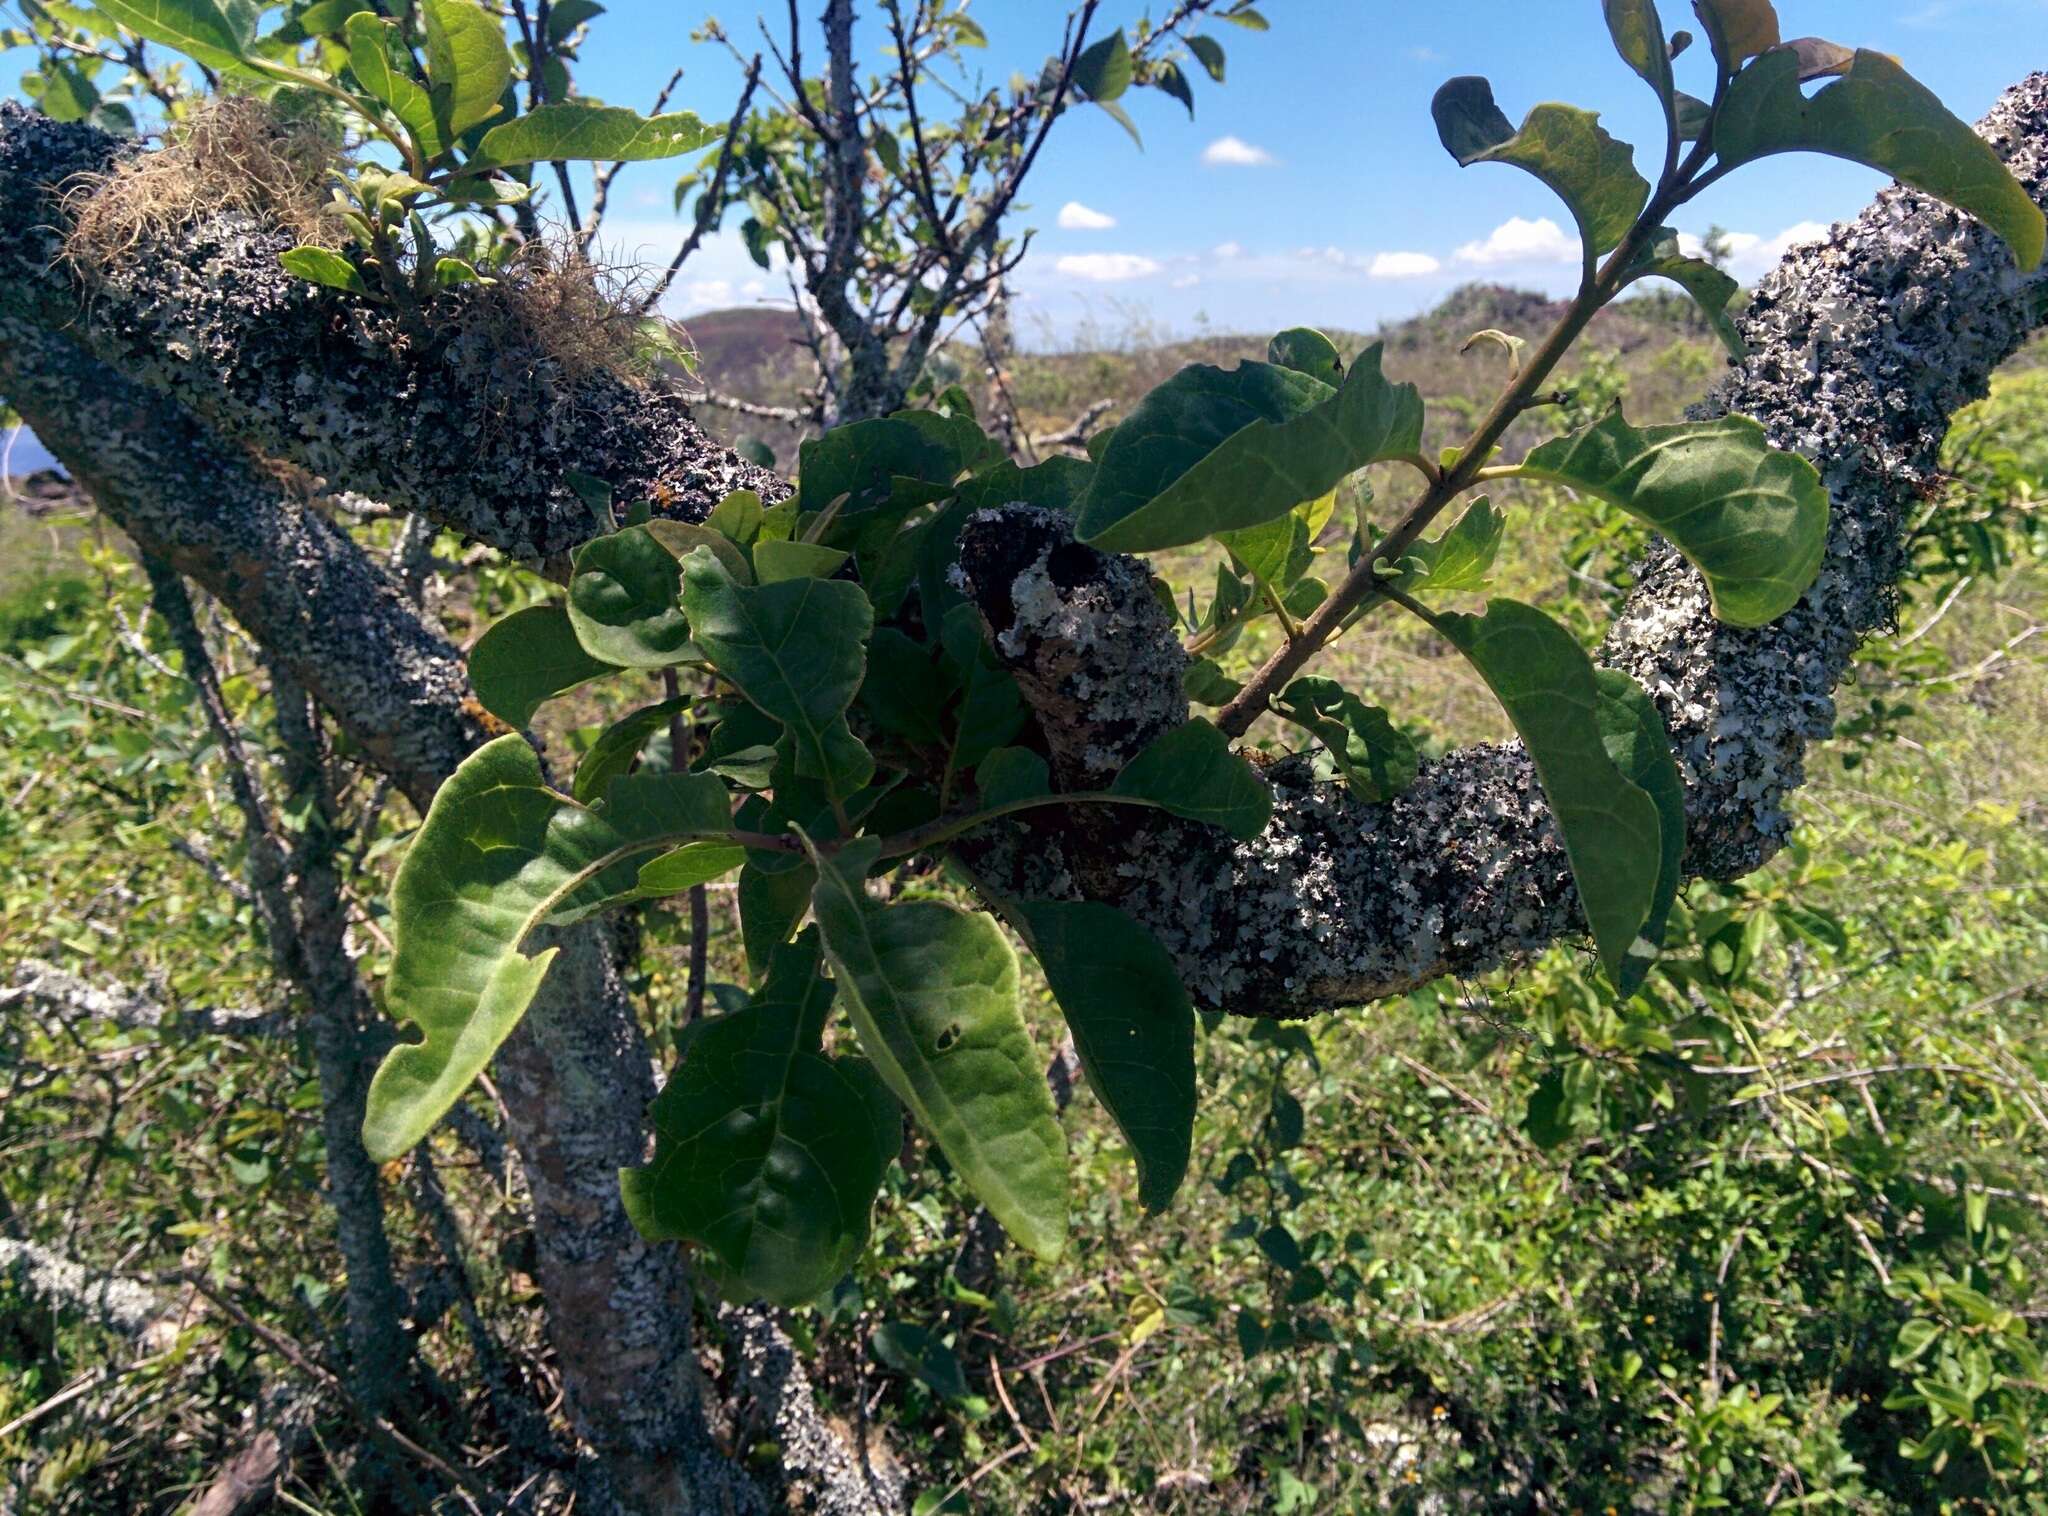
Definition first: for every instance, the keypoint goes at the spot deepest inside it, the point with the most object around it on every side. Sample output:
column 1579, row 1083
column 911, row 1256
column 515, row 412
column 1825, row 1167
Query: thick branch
column 1861, row 349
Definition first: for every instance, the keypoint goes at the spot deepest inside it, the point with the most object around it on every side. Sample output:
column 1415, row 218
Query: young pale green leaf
column 766, row 1151
column 322, row 266
column 1636, row 740
column 932, row 992
column 1752, row 518
column 1133, row 1026
column 624, row 601
column 528, row 658
column 1565, row 147
column 578, row 130
column 1613, row 834
column 375, row 50
column 214, row 34
column 686, row 867
column 468, row 63
column 498, row 854
column 1710, row 289
column 1375, row 758
column 1638, row 35
column 1737, row 30
column 618, row 745
column 1192, row 772
column 1307, row 351
column 796, row 650
column 1879, row 115
column 1215, row 450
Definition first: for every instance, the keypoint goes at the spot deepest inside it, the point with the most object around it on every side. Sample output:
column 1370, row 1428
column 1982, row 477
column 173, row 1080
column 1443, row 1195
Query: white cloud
column 1076, row 217
column 1187, row 281
column 1107, row 268
column 1235, row 152
column 707, row 294
column 1518, row 241
column 1750, row 257
column 1425, row 55
column 1402, row 265
column 1228, row 250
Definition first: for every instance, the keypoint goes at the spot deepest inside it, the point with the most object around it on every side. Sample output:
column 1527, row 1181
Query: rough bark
column 56, row 1283
column 41, row 988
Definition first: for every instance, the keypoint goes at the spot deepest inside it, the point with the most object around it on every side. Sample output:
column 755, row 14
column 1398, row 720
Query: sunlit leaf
column 1375, row 759
column 1192, row 773
column 580, row 130
column 468, row 63
column 1565, row 147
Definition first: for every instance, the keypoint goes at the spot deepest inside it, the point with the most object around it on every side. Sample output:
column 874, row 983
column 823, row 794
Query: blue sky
column 1329, row 201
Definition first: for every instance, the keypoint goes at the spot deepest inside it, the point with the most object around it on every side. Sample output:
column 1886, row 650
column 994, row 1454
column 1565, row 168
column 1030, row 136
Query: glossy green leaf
column 796, row 650
column 767, row 1151
column 375, row 50
column 625, row 601
column 468, row 64
column 1636, row 740
column 498, row 854
column 1752, row 518
column 1879, row 115
column 581, row 131
column 1192, row 773
column 1710, row 289
column 528, row 658
column 686, row 867
column 217, row 35
column 1215, row 450
column 884, row 461
column 1565, row 147
column 321, row 266
column 1613, row 834
column 1133, row 1026
column 1375, row 759
column 618, row 745
column 932, row 991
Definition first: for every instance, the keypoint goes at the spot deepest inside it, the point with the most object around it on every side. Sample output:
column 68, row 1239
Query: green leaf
column 924, row 1356
column 1009, row 774
column 1634, row 735
column 684, row 868
column 1210, row 53
column 1638, row 36
column 766, row 1151
column 498, row 854
column 468, row 63
column 564, row 16
column 1103, row 71
column 209, row 33
column 780, row 560
column 797, row 651
column 1612, row 831
column 887, row 461
column 1192, row 773
column 681, row 537
column 1133, row 1026
column 321, row 266
column 624, row 601
column 527, row 658
column 1213, row 450
column 991, row 710
column 1562, row 145
column 1307, row 351
column 618, row 745
column 1737, row 29
column 771, row 903
column 1710, row 289
column 903, row 692
column 1462, row 558
column 1375, row 758
column 932, row 991
column 1169, row 79
column 1751, row 517
column 377, row 57
column 1878, row 115
column 580, row 130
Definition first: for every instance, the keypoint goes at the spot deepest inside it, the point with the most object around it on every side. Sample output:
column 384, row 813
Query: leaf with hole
column 1878, row 115
column 767, row 1151
column 932, row 992
column 1752, row 518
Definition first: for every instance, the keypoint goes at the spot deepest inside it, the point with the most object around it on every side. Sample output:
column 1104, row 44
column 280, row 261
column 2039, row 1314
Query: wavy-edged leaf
column 932, row 991
column 1214, row 450
column 1462, row 557
column 767, row 1151
column 796, row 650
column 1133, row 1026
column 1565, row 147
column 468, row 63
column 1752, row 518
column 625, row 601
column 1710, row 289
column 1636, row 740
column 1878, row 115
column 1611, row 828
column 1374, row 757
column 1192, row 773
column 499, row 854
column 581, row 131
column 209, row 33
column 528, row 658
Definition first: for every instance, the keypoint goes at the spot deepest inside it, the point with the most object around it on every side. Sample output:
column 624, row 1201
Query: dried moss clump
column 234, row 153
